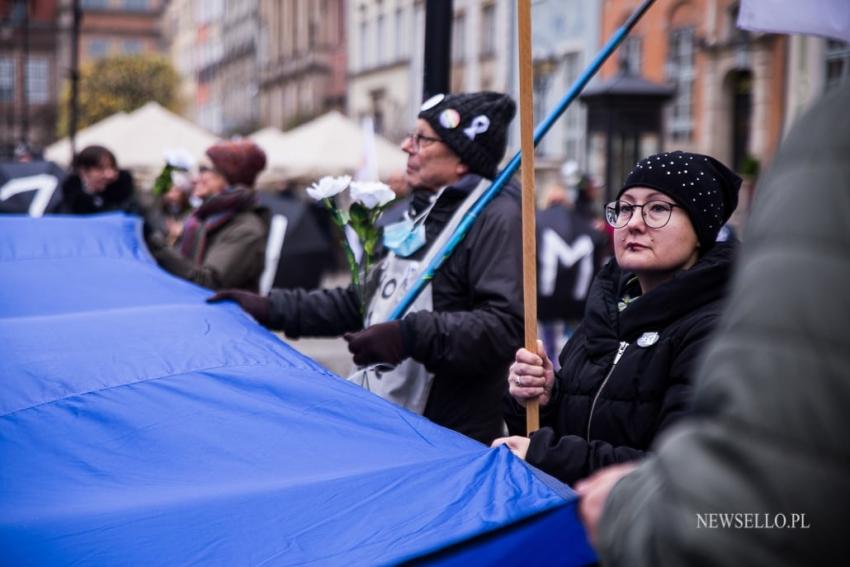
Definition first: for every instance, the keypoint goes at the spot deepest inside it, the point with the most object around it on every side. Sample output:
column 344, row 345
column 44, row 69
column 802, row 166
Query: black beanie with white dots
column 704, row 187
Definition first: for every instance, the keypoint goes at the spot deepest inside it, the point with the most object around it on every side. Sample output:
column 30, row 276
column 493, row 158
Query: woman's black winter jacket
column 603, row 413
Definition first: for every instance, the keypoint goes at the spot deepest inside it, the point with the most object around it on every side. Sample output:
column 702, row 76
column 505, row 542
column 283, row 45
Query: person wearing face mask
column 97, row 185
column 447, row 352
column 626, row 372
column 222, row 243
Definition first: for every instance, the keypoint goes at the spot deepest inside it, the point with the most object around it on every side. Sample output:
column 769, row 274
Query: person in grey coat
column 760, row 474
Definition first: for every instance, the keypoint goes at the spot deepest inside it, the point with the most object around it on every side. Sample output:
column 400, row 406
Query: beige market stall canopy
column 139, row 139
column 332, row 144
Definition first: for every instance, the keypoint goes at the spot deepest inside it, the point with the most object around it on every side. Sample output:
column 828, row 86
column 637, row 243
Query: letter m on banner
column 554, row 251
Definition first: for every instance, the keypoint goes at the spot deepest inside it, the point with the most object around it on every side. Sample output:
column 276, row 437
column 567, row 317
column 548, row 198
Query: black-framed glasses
column 416, row 140
column 656, row 214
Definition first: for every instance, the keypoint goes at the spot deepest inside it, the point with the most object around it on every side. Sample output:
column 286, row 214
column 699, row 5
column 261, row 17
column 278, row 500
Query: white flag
column 369, row 166
column 827, row 18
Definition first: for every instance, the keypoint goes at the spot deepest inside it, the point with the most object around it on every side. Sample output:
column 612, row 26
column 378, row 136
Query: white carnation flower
column 371, row 194
column 179, row 158
column 327, row 187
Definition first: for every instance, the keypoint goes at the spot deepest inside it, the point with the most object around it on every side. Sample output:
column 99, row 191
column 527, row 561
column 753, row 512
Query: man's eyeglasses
column 418, row 140
column 656, row 214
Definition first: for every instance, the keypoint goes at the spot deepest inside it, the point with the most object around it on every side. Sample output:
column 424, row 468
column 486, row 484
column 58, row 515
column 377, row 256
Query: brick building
column 29, row 73
column 730, row 84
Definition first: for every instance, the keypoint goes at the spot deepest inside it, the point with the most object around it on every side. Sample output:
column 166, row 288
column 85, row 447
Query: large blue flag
column 141, row 426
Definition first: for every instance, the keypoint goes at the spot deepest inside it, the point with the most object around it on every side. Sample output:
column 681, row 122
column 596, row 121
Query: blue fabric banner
column 141, row 426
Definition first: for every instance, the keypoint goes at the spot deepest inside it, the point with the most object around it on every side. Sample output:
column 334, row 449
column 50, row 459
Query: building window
column 7, row 79
column 630, row 55
column 136, row 5
column 681, row 74
column 488, row 30
column 380, row 53
column 364, row 44
column 459, row 38
column 38, row 80
column 131, row 46
column 837, row 63
column 400, row 34
column 573, row 131
column 98, row 47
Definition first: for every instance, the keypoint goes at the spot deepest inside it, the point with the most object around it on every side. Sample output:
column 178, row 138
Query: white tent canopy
column 271, row 140
column 138, row 139
column 329, row 145
column 267, row 138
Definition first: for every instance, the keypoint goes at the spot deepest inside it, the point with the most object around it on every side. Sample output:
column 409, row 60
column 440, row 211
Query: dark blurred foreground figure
column 627, row 372
column 97, row 185
column 760, row 475
column 223, row 241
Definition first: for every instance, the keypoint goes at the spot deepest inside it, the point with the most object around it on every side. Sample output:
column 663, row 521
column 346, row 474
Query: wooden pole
column 529, row 206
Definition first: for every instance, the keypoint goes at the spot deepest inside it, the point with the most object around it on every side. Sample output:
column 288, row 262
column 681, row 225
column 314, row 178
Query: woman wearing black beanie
column 626, row 372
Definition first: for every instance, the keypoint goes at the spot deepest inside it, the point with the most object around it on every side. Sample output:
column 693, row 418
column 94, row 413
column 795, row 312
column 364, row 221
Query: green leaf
column 370, row 242
column 163, row 181
column 359, row 217
column 353, row 268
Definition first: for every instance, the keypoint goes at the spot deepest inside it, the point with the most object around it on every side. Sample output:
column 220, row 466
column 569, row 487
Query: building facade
column 302, row 60
column 118, row 27
column 215, row 46
column 384, row 40
column 29, row 74
column 179, row 35
column 386, row 56
column 238, row 74
column 815, row 65
column 565, row 40
column 386, row 64
column 730, row 84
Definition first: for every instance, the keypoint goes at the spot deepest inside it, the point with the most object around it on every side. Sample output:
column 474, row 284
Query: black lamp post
column 73, row 103
column 624, row 108
column 23, row 13
column 438, row 47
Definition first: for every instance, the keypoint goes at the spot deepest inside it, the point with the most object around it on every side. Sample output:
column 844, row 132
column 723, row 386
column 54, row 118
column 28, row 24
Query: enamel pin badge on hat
column 432, row 102
column 449, row 118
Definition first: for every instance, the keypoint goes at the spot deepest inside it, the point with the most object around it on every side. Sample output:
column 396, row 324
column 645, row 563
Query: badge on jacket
column 648, row 339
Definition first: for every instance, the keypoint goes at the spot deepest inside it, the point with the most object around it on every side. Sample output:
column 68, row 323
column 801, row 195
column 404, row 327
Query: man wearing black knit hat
column 445, row 358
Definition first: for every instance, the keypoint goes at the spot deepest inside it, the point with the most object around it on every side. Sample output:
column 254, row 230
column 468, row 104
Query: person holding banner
column 758, row 474
column 626, row 373
column 223, row 241
column 446, row 358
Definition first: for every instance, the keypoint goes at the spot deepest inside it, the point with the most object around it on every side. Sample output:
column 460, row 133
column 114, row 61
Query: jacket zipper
column 620, row 351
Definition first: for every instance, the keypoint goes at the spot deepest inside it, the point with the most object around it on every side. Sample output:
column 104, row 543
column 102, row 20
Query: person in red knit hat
column 223, row 241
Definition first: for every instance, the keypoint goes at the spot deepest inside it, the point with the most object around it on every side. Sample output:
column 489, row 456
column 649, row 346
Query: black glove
column 255, row 305
column 383, row 342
